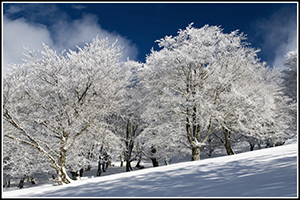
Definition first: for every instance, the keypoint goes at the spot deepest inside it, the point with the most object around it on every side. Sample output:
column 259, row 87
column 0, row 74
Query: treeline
column 202, row 89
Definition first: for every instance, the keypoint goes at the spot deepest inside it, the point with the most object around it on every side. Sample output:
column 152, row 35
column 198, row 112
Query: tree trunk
column 166, row 161
column 74, row 175
column 128, row 166
column 62, row 176
column 195, row 153
column 7, row 183
column 193, row 133
column 88, row 168
column 259, row 146
column 153, row 159
column 104, row 166
column 154, row 162
column 81, row 172
column 227, row 142
column 32, row 180
column 252, row 146
column 139, row 161
column 122, row 160
column 128, row 157
column 21, row 184
column 99, row 169
column 129, row 146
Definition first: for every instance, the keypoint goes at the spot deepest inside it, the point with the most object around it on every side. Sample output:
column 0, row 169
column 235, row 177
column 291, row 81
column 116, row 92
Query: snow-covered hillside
column 270, row 172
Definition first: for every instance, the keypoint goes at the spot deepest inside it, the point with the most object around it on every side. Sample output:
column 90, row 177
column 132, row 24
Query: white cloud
column 285, row 47
column 63, row 34
column 79, row 32
column 19, row 33
column 279, row 35
column 35, row 11
column 14, row 9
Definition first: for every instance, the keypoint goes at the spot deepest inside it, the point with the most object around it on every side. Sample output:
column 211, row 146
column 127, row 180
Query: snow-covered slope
column 268, row 172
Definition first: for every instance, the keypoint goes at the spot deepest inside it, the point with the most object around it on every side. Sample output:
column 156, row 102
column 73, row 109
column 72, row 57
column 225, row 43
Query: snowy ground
column 270, row 172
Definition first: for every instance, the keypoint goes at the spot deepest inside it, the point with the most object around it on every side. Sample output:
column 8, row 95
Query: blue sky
column 272, row 27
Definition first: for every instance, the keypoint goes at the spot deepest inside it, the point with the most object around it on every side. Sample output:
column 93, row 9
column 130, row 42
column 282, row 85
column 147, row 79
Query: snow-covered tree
column 160, row 139
column 290, row 75
column 20, row 162
column 137, row 125
column 127, row 123
column 52, row 103
column 284, row 124
column 208, row 80
column 160, row 142
column 290, row 84
column 258, row 108
column 86, row 151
